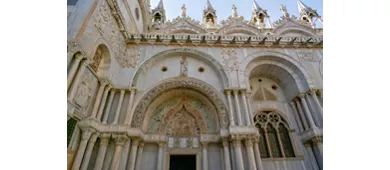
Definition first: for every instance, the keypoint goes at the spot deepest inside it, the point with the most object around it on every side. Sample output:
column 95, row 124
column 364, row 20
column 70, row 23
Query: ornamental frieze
column 229, row 59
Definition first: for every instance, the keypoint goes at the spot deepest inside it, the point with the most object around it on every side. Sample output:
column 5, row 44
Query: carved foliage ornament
column 207, row 90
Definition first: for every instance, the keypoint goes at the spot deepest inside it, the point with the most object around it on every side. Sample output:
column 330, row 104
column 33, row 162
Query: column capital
column 161, row 144
column 228, row 91
column 122, row 91
column 256, row 140
column 79, row 56
column 307, row 144
column 85, row 63
column 313, row 91
column 120, row 139
column 248, row 142
column 103, row 81
column 235, row 91
column 225, row 142
column 204, row 143
column 317, row 139
column 301, row 96
column 296, row 99
column 292, row 103
column 133, row 90
column 94, row 137
column 243, row 91
column 141, row 144
column 86, row 134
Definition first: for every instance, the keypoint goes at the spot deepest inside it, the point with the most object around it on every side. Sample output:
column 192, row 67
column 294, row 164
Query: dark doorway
column 182, row 162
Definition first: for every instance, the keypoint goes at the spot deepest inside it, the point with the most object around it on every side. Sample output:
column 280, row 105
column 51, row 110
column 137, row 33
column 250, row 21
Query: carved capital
column 235, row 92
column 204, row 143
column 292, row 103
column 161, row 144
column 317, row 139
column 94, row 137
column 133, row 90
column 256, row 140
column 135, row 141
column 86, row 134
column 228, row 92
column 248, row 142
column 103, row 81
column 301, row 96
column 120, row 139
column 104, row 139
column 85, row 63
column 225, row 142
column 141, row 144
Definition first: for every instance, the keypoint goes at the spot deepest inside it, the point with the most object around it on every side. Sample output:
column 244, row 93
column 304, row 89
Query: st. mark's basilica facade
column 147, row 93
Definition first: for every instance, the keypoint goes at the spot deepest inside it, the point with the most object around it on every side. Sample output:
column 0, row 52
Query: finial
column 234, row 11
column 284, row 10
column 183, row 10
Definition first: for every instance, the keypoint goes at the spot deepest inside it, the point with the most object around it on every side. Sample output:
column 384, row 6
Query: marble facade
column 239, row 95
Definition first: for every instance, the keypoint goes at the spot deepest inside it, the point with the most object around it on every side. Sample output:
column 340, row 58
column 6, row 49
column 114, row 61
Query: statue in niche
column 284, row 10
column 183, row 66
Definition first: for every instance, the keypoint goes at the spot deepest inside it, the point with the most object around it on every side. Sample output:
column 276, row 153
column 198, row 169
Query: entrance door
column 182, row 162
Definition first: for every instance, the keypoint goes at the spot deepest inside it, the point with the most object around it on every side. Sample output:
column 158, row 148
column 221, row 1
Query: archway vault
column 184, row 51
column 194, row 87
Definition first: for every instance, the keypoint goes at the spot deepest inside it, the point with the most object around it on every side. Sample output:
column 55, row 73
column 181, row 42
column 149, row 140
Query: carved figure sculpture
column 183, row 66
column 284, row 10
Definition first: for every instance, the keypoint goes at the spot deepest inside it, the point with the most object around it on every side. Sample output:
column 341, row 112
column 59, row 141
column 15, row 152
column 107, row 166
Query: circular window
column 137, row 13
column 259, row 80
column 164, row 69
column 274, row 87
column 201, row 69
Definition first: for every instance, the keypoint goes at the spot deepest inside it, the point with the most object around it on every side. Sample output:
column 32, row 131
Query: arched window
column 274, row 137
column 71, row 127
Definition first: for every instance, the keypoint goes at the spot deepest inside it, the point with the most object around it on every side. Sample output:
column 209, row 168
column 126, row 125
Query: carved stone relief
column 229, row 59
column 128, row 57
column 207, row 90
column 307, row 56
column 183, row 66
column 85, row 90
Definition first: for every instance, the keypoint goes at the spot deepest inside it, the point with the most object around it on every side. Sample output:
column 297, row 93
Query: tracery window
column 274, row 139
column 71, row 127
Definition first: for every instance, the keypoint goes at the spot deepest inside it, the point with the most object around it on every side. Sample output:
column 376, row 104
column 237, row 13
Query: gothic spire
column 301, row 6
column 160, row 5
column 208, row 6
column 255, row 6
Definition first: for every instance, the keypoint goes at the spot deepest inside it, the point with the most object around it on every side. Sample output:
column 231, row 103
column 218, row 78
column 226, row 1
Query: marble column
column 98, row 99
column 120, row 140
column 311, row 156
column 251, row 156
column 317, row 147
column 247, row 115
column 280, row 143
column 204, row 156
column 226, row 154
column 248, row 95
column 86, row 134
column 238, row 152
column 301, row 114
column 229, row 97
column 316, row 102
column 133, row 154
column 103, row 103
column 139, row 156
column 296, row 116
column 73, row 68
column 88, row 152
column 108, row 108
column 119, row 107
column 125, row 155
column 238, row 108
column 76, row 81
column 307, row 111
column 104, row 139
column 259, row 164
column 160, row 155
column 129, row 114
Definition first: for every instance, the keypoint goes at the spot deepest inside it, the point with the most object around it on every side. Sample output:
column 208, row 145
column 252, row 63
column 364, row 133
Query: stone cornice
column 225, row 40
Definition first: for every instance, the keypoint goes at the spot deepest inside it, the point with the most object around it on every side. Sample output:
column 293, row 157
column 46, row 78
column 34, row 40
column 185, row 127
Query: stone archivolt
column 180, row 82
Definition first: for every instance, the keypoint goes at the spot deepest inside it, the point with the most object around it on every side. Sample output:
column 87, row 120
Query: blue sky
column 244, row 7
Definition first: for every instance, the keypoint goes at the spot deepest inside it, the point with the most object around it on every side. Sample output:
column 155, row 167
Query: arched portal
column 193, row 98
